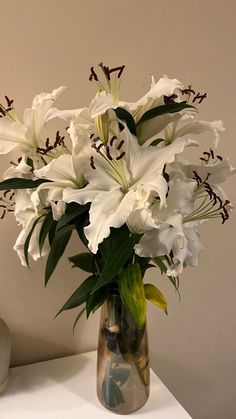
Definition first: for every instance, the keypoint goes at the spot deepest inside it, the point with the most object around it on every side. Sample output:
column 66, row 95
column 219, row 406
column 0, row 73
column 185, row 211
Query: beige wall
column 51, row 42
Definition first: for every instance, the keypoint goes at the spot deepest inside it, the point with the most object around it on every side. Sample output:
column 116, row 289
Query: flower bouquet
column 120, row 178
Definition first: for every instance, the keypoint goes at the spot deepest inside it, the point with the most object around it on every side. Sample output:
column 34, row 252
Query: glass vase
column 123, row 374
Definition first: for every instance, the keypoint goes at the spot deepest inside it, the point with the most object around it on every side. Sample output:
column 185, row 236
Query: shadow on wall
column 176, row 377
column 190, row 387
column 33, row 345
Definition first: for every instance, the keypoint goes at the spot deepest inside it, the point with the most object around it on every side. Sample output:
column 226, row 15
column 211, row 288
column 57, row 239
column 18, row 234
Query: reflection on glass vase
column 123, row 361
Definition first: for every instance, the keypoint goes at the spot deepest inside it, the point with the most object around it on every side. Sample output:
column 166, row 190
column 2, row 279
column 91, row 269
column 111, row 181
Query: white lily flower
column 194, row 245
column 22, row 169
column 25, row 136
column 214, row 173
column 29, row 206
column 62, row 173
column 118, row 176
column 155, row 97
column 96, row 119
column 33, row 249
column 104, row 101
column 186, row 124
column 169, row 219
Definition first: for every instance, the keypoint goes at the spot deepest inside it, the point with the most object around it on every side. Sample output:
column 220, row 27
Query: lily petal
column 109, row 209
column 12, row 136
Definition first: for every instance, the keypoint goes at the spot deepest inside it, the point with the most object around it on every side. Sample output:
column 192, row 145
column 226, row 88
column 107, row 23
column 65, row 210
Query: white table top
column 65, row 388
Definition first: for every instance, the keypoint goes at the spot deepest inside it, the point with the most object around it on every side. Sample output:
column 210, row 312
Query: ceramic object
column 5, row 354
column 123, row 360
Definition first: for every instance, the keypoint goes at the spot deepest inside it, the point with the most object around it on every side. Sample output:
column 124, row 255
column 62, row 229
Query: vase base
column 121, row 413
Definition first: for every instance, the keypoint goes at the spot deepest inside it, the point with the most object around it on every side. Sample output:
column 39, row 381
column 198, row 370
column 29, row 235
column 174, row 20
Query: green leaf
column 132, row 293
column 46, row 226
column 30, row 163
column 52, row 232
column 112, row 393
column 27, row 241
column 59, row 244
column 163, row 109
column 127, row 118
column 73, row 210
column 159, row 262
column 143, row 263
column 157, row 141
column 117, row 235
column 153, row 294
column 95, row 300
column 80, row 295
column 80, row 222
column 84, row 261
column 78, row 318
column 19, row 183
column 122, row 250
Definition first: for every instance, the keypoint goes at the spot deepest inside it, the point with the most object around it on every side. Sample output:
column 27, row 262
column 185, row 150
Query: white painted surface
column 65, row 389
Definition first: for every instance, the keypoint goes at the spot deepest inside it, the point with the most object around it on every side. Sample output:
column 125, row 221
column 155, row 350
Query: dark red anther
column 212, row 153
column 9, row 102
column 112, row 140
column 224, row 214
column 200, row 97
column 6, row 192
column 120, row 145
column 187, row 91
column 105, row 70
column 2, row 112
column 197, row 178
column 220, row 202
column 121, row 71
column 92, row 163
column 93, row 75
column 121, row 155
column 3, row 214
column 108, row 153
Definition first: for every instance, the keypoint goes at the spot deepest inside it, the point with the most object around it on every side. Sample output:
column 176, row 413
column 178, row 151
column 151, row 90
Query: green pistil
column 117, row 172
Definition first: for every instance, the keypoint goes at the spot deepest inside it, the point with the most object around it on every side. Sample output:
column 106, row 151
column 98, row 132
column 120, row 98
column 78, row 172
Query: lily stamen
column 120, row 156
column 108, row 153
column 199, row 97
column 92, row 163
column 59, row 141
column 112, row 140
column 120, row 145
